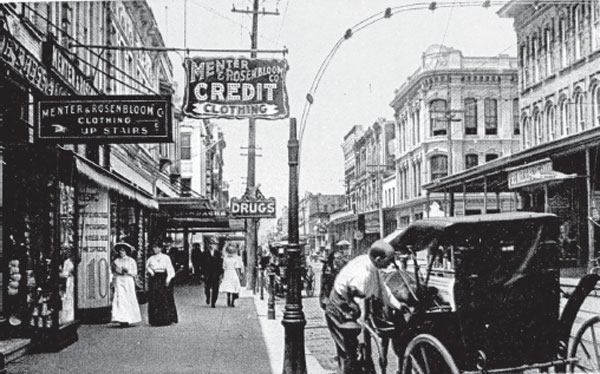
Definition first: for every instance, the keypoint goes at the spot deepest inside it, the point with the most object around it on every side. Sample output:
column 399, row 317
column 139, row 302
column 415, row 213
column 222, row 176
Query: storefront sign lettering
column 116, row 119
column 65, row 69
column 25, row 64
column 94, row 231
column 235, row 88
column 253, row 205
column 529, row 174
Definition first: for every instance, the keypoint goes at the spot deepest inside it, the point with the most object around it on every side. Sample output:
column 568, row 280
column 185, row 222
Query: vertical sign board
column 235, row 87
column 94, row 230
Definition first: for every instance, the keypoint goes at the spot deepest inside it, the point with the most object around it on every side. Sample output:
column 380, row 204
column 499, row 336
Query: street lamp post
column 293, row 318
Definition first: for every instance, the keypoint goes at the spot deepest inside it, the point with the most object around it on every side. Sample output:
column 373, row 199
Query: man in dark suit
column 213, row 270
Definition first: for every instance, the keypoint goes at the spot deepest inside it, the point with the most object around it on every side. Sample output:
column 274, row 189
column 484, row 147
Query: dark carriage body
column 505, row 291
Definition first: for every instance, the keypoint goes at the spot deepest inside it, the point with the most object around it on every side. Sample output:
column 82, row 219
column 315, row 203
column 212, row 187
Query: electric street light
column 293, row 317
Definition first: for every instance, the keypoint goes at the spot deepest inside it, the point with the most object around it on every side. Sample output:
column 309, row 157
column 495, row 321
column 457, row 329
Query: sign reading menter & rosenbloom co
column 235, row 87
column 110, row 119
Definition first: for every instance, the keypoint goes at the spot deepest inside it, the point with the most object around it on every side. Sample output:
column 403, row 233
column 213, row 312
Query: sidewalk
column 205, row 341
column 274, row 336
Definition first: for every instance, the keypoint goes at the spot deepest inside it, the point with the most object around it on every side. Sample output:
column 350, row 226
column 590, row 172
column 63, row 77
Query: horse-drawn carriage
column 279, row 263
column 498, row 305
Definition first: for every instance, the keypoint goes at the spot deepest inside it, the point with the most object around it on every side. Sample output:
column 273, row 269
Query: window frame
column 437, row 116
column 491, row 116
column 185, row 150
column 470, row 118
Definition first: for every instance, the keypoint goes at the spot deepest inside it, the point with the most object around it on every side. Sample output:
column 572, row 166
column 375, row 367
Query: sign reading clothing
column 81, row 119
column 94, row 231
column 235, row 88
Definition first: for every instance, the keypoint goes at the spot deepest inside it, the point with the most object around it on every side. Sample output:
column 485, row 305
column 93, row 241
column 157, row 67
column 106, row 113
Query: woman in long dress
column 125, row 307
column 161, row 302
column 232, row 266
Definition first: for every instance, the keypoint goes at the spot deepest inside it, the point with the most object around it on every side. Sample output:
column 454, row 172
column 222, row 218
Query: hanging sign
column 109, row 119
column 93, row 283
column 253, row 207
column 235, row 87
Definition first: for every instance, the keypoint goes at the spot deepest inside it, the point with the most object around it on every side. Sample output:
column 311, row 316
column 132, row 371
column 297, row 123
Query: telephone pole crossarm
column 174, row 49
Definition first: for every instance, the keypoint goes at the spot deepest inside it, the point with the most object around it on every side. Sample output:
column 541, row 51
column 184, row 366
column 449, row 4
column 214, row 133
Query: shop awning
column 494, row 174
column 113, row 182
column 198, row 214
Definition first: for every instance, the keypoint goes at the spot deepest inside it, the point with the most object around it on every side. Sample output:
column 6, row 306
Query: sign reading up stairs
column 104, row 119
column 257, row 206
column 235, row 87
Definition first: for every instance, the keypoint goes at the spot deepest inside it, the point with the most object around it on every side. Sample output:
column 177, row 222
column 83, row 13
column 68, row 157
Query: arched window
column 535, row 57
column 527, row 133
column 439, row 167
column 551, row 122
column 437, row 115
column 596, row 105
column 562, row 30
column 471, row 160
column 490, row 107
column 564, row 117
column 470, row 116
column 578, row 29
column 579, row 110
column 537, row 128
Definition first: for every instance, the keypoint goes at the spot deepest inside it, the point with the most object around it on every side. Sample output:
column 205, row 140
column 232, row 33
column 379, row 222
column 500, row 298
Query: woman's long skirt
column 161, row 302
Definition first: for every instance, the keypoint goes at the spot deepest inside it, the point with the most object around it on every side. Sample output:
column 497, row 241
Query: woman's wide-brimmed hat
column 128, row 247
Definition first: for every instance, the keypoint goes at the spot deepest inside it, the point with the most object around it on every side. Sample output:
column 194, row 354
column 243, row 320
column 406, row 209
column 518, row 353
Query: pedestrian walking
column 232, row 266
column 197, row 260
column 161, row 302
column 125, row 307
column 213, row 272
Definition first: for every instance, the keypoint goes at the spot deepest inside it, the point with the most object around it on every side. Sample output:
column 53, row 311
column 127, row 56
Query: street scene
column 277, row 186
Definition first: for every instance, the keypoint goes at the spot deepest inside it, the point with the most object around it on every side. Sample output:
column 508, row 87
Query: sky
column 355, row 89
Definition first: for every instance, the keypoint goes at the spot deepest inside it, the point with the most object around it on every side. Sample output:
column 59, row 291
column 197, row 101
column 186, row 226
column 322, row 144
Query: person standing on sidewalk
column 125, row 307
column 161, row 302
column 232, row 266
column 213, row 272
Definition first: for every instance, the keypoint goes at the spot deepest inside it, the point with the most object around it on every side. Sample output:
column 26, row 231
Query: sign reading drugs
column 235, row 88
column 257, row 206
column 112, row 119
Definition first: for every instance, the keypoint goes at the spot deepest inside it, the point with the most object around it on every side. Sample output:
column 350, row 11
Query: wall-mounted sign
column 109, row 119
column 235, row 87
column 249, row 206
column 535, row 172
column 93, row 284
column 27, row 66
column 64, row 67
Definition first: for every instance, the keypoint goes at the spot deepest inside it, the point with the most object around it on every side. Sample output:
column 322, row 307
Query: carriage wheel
column 586, row 347
column 427, row 355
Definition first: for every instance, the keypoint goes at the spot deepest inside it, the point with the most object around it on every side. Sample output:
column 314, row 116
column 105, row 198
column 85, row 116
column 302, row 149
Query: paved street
column 205, row 341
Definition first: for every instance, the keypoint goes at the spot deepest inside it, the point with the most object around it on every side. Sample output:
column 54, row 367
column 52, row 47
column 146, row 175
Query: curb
column 274, row 336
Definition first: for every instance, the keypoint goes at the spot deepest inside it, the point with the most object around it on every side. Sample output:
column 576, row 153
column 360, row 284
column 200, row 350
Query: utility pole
column 251, row 240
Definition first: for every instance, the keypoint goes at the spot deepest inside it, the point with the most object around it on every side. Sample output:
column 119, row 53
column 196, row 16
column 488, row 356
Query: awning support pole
column 464, row 199
column 485, row 188
column 546, row 199
column 498, row 205
column 590, row 213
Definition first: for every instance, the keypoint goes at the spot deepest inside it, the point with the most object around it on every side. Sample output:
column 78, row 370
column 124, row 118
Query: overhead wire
column 66, row 34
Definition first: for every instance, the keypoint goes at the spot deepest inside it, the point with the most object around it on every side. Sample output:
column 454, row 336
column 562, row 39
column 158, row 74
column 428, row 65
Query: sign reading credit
column 113, row 119
column 235, row 88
